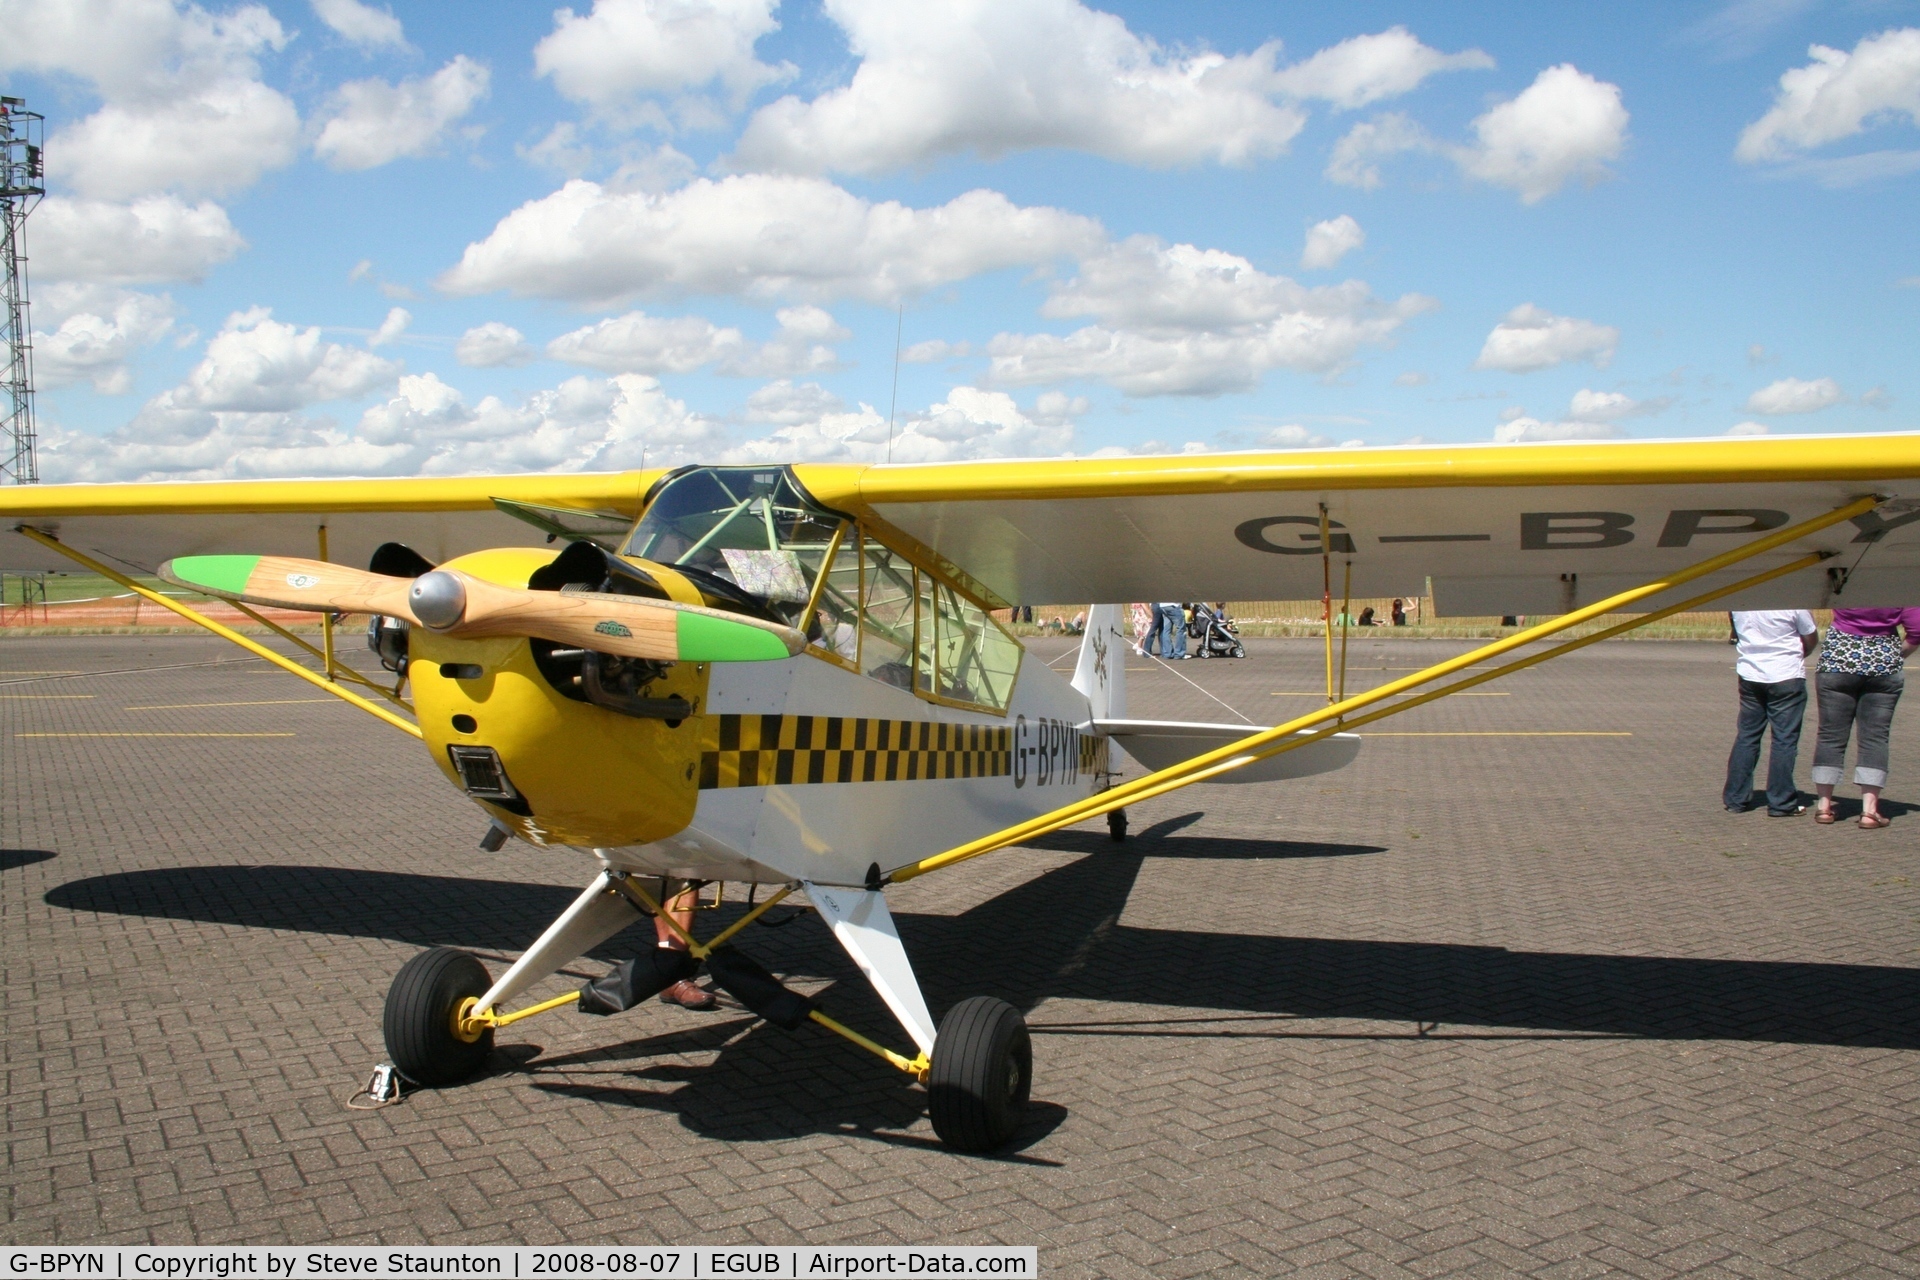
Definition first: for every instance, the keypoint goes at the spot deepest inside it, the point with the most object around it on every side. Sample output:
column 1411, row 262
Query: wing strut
column 225, row 633
column 1299, row 732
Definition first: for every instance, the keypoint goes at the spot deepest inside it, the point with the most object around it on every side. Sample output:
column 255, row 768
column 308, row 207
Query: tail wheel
column 981, row 1076
column 421, row 1025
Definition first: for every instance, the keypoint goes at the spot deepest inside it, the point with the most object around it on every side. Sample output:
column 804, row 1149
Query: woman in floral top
column 1860, row 678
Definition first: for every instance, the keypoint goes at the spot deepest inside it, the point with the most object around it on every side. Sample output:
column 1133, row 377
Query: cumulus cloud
column 758, row 236
column 1531, row 338
column 155, row 239
column 1748, row 429
column 398, row 318
column 640, row 343
column 1365, row 69
column 374, row 123
column 802, row 345
column 934, row 350
column 361, row 24
column 1612, row 406
column 583, row 424
column 1525, row 430
column 969, row 424
column 1006, row 75
column 1353, row 161
column 184, row 109
column 1178, row 320
column 257, row 364
column 1330, row 241
column 491, row 346
column 95, row 331
column 999, row 76
column 783, row 403
column 1565, row 126
column 1838, row 95
column 217, row 139
column 1794, row 395
column 626, row 50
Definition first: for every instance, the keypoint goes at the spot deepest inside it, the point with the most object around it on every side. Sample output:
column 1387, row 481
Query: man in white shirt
column 1773, row 645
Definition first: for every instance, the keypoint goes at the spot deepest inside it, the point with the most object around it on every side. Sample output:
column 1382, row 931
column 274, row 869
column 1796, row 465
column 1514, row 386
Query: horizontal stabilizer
column 1160, row 744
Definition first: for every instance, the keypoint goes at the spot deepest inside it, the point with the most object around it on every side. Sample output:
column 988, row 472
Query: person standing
column 1773, row 645
column 1173, row 632
column 1861, row 676
column 1146, row 620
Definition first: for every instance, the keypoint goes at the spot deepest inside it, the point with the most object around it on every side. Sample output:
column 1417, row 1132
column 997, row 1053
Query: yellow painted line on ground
column 194, row 706
column 45, row 697
column 153, row 735
column 1504, row 733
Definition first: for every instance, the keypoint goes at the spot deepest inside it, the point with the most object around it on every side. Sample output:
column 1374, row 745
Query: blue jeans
column 1782, row 704
column 1173, row 630
column 1850, row 704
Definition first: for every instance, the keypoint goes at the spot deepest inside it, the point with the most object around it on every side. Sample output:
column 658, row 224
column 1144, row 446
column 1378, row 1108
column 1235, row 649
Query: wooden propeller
column 458, row 604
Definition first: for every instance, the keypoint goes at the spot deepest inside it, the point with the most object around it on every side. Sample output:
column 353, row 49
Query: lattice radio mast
column 22, row 183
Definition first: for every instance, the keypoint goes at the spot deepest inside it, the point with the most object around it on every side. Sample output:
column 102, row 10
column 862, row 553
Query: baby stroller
column 1214, row 635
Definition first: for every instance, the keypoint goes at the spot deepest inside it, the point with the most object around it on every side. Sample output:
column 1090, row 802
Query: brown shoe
column 688, row 996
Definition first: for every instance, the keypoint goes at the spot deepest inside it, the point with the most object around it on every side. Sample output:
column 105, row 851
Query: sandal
column 1874, row 821
column 1825, row 817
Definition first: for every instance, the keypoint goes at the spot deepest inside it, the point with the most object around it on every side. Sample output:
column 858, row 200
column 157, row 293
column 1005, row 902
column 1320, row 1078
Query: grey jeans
column 1846, row 701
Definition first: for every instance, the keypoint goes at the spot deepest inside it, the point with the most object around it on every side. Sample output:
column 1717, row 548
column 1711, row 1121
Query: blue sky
column 331, row 238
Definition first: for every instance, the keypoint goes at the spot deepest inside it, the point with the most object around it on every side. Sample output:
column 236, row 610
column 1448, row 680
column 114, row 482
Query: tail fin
column 1101, row 674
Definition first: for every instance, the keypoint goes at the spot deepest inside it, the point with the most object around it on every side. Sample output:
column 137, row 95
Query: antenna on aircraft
column 899, row 324
column 22, row 183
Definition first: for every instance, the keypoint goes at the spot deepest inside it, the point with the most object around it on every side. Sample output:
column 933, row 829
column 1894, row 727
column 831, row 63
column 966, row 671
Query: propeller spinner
column 461, row 605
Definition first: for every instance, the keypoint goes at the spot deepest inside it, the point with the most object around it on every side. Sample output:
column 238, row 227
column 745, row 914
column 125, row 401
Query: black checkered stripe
column 762, row 751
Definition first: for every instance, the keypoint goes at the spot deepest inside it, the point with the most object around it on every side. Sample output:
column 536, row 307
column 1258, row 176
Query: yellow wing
column 137, row 526
column 1497, row 528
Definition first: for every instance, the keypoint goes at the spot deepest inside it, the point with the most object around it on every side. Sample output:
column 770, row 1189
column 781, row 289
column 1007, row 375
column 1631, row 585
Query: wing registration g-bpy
column 790, row 676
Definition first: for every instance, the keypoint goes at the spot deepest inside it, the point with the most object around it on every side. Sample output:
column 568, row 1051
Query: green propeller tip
column 227, row 574
column 703, row 638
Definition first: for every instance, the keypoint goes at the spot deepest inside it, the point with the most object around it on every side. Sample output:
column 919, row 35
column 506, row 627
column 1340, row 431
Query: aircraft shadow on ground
column 11, row 858
column 1056, row 935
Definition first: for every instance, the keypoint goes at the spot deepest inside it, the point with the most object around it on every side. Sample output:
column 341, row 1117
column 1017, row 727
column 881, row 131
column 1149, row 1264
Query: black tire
column 1205, row 652
column 418, row 1022
column 982, row 1074
column 1116, row 825
column 1239, row 651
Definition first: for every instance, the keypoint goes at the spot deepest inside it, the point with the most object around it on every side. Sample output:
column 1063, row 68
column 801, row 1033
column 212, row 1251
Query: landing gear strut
column 981, row 1076
column 421, row 1024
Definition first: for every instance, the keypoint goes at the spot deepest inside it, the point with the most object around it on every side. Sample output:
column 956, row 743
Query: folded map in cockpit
column 771, row 575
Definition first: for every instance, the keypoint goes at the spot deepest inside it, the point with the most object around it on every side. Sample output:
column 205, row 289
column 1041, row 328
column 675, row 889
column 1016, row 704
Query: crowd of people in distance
column 1858, row 681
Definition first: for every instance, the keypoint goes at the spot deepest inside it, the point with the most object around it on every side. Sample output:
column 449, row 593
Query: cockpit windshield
column 750, row 527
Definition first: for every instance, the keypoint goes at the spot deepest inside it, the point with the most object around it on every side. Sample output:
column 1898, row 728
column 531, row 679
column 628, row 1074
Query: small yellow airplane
column 790, row 676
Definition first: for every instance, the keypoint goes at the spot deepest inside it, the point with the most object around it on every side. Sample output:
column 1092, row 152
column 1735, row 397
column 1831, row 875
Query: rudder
column 1101, row 673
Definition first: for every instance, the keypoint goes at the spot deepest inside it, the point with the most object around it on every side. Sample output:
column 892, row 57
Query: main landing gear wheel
column 981, row 1076
column 421, row 1022
column 1116, row 825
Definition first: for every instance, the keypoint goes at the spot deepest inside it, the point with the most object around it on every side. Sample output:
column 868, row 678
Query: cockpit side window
column 886, row 615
